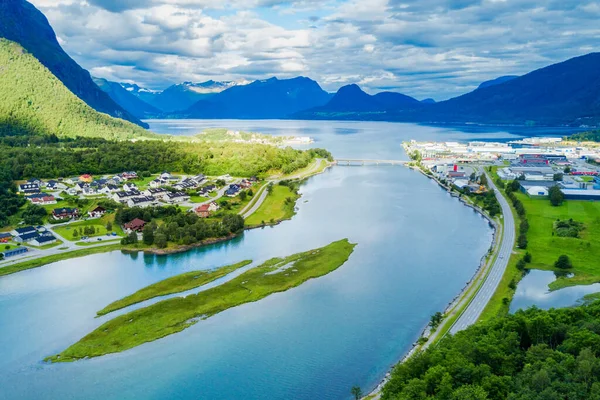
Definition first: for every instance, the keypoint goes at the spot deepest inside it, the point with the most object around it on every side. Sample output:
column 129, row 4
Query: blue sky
column 423, row 48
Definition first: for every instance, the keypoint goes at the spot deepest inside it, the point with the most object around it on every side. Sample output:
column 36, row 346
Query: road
column 481, row 299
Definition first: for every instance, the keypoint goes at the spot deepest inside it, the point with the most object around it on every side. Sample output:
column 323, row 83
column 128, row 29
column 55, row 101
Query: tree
column 160, row 240
column 527, row 257
column 250, row 192
column 558, row 177
column 483, row 180
column 567, row 170
column 556, row 196
column 109, row 226
column 436, row 319
column 243, row 196
column 148, row 235
column 522, row 241
column 521, row 264
column 473, row 177
column 356, row 392
column 563, row 262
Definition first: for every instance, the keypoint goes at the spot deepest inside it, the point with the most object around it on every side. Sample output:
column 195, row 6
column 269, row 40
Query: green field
column 198, row 199
column 175, row 284
column 99, row 225
column 176, row 314
column 584, row 252
column 274, row 208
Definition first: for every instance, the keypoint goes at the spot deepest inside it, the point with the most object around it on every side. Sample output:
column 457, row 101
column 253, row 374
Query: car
column 99, row 239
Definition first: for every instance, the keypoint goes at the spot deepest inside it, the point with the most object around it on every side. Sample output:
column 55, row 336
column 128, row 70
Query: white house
column 177, row 197
column 156, row 192
column 129, row 186
column 142, row 201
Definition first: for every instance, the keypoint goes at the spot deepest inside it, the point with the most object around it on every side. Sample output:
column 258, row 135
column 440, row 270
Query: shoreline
column 375, row 393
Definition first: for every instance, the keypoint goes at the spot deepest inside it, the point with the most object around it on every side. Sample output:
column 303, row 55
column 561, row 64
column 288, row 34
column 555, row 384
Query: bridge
column 355, row 161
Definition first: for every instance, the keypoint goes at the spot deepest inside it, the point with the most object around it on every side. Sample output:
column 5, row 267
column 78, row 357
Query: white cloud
column 424, row 48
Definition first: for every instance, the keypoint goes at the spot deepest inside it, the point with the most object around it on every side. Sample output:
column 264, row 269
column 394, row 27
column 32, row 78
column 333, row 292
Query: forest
column 591, row 136
column 532, row 354
column 51, row 157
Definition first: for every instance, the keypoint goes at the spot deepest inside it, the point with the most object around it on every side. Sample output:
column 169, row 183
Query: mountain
column 21, row 22
column 131, row 103
column 567, row 93
column 351, row 101
column 181, row 96
column 35, row 102
column 428, row 101
column 271, row 98
column 497, row 81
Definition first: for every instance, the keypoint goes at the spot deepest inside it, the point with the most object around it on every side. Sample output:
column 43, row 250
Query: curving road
column 481, row 299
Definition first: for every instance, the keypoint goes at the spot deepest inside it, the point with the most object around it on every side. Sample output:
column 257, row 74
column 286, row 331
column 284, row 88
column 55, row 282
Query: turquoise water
column 417, row 247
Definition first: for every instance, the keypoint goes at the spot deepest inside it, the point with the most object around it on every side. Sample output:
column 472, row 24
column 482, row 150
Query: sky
column 422, row 48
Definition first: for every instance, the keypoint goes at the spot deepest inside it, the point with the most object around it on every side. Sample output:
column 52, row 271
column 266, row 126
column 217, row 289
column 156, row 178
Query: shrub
column 563, row 262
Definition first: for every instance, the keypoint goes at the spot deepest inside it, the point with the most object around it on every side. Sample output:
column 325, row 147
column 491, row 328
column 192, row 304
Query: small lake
column 533, row 291
column 417, row 247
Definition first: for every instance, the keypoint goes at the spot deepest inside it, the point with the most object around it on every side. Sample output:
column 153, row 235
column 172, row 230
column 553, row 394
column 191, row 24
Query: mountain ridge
column 23, row 23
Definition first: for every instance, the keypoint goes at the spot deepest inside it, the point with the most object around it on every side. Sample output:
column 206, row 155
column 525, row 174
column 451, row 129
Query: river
column 417, row 247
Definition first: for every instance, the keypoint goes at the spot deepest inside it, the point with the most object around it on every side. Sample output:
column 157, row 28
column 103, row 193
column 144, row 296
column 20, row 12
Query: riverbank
column 460, row 303
column 176, row 314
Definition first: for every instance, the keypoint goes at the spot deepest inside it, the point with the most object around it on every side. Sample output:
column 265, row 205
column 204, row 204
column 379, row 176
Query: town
column 537, row 163
column 79, row 211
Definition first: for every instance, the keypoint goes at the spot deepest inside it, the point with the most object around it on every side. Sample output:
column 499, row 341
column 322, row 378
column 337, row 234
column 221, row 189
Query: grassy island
column 176, row 314
column 175, row 284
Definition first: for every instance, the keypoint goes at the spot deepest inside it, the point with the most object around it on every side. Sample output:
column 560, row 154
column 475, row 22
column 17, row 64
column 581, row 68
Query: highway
column 481, row 299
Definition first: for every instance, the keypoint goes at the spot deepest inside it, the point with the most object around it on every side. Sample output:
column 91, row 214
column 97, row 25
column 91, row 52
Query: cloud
column 424, row 48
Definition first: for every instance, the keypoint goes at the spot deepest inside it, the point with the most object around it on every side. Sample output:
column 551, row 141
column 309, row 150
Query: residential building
column 27, row 237
column 123, row 197
column 35, row 181
column 137, row 225
column 175, row 197
column 156, row 192
column 158, row 183
column 41, row 199
column 141, row 201
column 87, row 178
column 43, row 240
column 203, row 211
column 64, row 213
column 129, row 175
column 22, row 231
column 129, row 187
column 234, row 189
column 204, row 191
column 97, row 212
column 29, row 188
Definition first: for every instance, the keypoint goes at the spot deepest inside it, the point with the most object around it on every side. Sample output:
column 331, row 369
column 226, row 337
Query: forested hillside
column 532, row 355
column 50, row 157
column 35, row 102
column 22, row 23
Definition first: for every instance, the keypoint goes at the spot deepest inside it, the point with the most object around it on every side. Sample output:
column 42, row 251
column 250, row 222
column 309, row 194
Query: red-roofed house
column 137, row 225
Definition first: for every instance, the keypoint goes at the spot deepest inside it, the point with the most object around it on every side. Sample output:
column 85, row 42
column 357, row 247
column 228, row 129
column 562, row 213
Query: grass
column 175, row 284
column 38, row 262
column 274, row 208
column 7, row 247
column 96, row 242
column 198, row 199
column 174, row 315
column 46, row 246
column 99, row 225
column 590, row 298
column 545, row 248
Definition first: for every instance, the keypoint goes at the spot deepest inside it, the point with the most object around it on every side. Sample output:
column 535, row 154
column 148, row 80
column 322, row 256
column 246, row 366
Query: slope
column 21, row 22
column 133, row 104
column 35, row 102
column 271, row 98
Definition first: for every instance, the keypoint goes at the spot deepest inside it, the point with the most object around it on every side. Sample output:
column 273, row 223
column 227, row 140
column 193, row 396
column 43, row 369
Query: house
column 203, row 211
column 97, row 212
column 206, row 190
column 22, row 231
column 137, row 225
column 175, row 197
column 123, row 197
column 41, row 199
column 199, row 178
column 87, row 178
column 71, row 181
column 234, row 189
column 156, row 192
column 29, row 188
column 158, row 183
column 213, row 206
column 129, row 175
column 168, row 177
column 246, row 183
column 117, row 180
column 55, row 185
column 142, row 201
column 129, row 187
column 15, row 252
column 186, row 184
column 43, row 240
column 63, row 213
column 27, row 237
column 5, row 237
